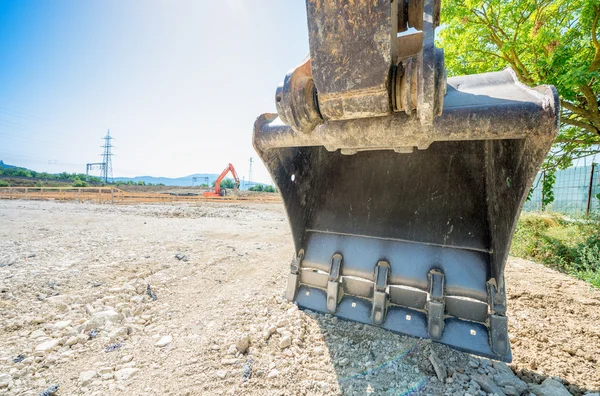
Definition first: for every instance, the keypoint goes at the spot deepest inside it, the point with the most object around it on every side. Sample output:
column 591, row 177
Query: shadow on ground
column 372, row 361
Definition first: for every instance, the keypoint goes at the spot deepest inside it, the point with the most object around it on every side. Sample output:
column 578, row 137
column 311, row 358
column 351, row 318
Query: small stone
column 49, row 391
column 221, row 374
column 229, row 362
column 487, row 384
column 232, row 350
column 62, row 324
column 438, row 366
column 37, row 334
column 344, row 361
column 46, row 346
column 71, row 341
column 100, row 319
column 550, row 387
column 125, row 374
column 285, row 342
column 126, row 358
column 243, row 343
column 282, row 323
column 273, row 373
column 89, row 309
column 164, row 341
column 86, row 377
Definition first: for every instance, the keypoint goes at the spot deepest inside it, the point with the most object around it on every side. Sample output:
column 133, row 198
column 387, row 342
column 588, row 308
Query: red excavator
column 221, row 192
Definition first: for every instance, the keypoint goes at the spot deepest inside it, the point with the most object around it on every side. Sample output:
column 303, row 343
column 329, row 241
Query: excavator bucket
column 402, row 188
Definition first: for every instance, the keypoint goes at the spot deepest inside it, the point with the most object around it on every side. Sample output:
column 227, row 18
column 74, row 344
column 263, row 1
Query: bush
column 4, row 183
column 568, row 245
column 79, row 183
column 227, row 183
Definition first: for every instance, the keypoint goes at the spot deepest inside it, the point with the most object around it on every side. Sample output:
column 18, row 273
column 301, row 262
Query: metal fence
column 575, row 191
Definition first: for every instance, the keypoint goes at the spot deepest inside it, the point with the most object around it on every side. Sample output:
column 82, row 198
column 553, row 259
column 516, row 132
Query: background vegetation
column 565, row 244
column 263, row 188
column 545, row 42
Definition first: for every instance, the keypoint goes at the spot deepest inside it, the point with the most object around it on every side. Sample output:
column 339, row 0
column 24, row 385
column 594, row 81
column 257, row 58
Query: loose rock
column 164, row 341
column 243, row 343
column 549, row 387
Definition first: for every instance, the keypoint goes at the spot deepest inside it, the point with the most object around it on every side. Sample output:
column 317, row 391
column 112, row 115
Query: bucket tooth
column 499, row 334
column 380, row 296
column 333, row 284
column 435, row 305
column 294, row 277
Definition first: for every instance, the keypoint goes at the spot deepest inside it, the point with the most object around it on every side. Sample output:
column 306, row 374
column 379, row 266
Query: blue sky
column 179, row 83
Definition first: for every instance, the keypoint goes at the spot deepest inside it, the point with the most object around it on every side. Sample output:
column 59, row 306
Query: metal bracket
column 435, row 304
column 294, row 277
column 497, row 299
column 382, row 271
column 333, row 285
column 498, row 332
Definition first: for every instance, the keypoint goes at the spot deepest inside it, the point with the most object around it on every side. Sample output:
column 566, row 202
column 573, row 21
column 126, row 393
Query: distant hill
column 177, row 181
column 6, row 166
column 191, row 180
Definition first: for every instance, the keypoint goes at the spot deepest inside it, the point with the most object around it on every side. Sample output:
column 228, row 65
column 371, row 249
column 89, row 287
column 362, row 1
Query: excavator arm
column 402, row 187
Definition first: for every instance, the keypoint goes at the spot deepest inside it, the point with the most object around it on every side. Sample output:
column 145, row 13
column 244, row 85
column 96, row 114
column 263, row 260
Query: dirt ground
column 94, row 300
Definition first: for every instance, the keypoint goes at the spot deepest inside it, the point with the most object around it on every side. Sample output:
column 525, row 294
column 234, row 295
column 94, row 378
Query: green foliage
column 227, row 183
column 4, row 183
column 548, row 180
column 77, row 182
column 263, row 188
column 545, row 42
column 570, row 246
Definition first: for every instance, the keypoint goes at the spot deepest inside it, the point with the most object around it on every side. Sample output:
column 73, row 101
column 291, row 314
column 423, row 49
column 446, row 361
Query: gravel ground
column 188, row 300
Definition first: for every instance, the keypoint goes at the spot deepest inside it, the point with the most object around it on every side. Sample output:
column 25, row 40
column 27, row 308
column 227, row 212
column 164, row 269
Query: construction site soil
column 188, row 300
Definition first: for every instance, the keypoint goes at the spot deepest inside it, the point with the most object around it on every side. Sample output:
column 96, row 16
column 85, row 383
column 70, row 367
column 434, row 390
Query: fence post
column 26, row 195
column 112, row 195
column 590, row 189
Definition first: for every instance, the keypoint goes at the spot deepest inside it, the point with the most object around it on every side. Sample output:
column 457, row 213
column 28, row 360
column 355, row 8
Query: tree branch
column 581, row 124
column 591, row 99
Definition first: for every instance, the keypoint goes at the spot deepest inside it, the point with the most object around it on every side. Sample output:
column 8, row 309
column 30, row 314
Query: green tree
column 545, row 42
column 226, row 183
column 77, row 182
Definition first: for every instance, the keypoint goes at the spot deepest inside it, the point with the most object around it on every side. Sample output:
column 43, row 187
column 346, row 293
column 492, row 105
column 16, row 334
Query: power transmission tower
column 107, row 172
column 250, row 172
